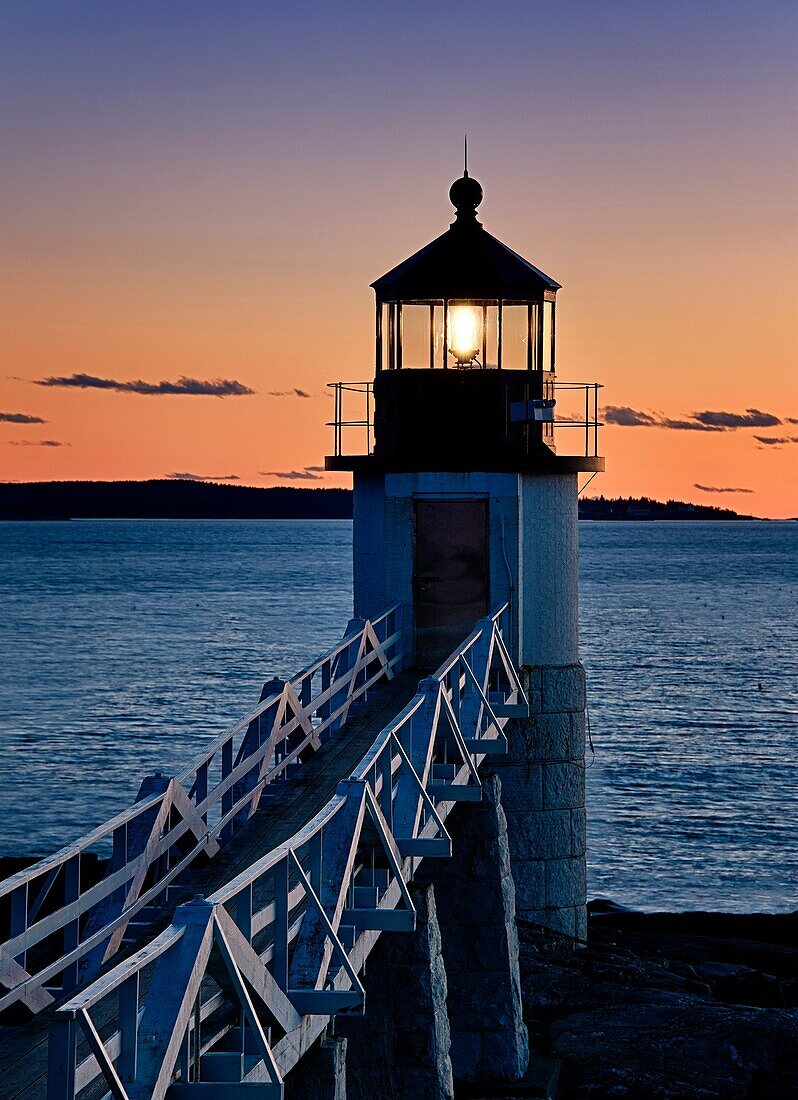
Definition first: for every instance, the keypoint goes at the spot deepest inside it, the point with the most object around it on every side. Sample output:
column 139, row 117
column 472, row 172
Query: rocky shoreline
column 666, row 1006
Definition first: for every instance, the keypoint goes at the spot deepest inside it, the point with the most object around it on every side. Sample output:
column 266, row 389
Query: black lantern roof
column 464, row 262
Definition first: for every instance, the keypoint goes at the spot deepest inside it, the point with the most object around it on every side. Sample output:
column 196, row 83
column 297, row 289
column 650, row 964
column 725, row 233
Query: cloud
column 316, row 469
column 720, row 489
column 628, row 418
column 689, row 425
column 20, row 418
column 203, row 477
column 625, row 417
column 295, row 392
column 705, row 421
column 214, row 387
column 792, row 419
column 751, row 418
column 37, row 443
column 308, row 474
column 776, row 440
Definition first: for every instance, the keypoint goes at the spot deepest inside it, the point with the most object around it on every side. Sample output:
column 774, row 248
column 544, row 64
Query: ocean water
column 690, row 638
column 125, row 645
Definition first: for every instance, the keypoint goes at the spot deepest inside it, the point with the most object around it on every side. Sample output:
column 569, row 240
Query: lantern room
column 465, row 365
column 466, row 301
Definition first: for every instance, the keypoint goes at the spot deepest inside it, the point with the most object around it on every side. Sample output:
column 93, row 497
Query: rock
column 666, row 1006
column 600, row 907
column 684, row 1051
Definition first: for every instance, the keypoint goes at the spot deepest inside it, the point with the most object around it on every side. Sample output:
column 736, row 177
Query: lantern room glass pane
column 490, row 356
column 515, row 336
column 439, row 352
column 387, row 335
column 416, row 331
column 534, row 335
column 547, row 335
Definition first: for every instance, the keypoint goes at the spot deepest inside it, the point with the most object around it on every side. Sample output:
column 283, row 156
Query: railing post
column 385, row 799
column 227, row 797
column 280, row 947
column 119, row 854
column 184, row 1057
column 368, row 435
column 587, row 421
column 452, row 687
column 197, row 1049
column 243, row 915
column 595, row 418
column 315, row 861
column 343, row 664
column 128, row 1027
column 338, row 417
column 471, row 706
column 19, row 916
column 324, row 709
column 72, row 929
column 62, row 1058
column 201, row 788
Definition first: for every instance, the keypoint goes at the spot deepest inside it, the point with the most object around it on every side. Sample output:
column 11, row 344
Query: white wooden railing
column 241, row 984
column 61, row 929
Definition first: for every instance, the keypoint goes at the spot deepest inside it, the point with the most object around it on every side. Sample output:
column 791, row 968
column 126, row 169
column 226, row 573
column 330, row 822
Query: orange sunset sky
column 206, row 190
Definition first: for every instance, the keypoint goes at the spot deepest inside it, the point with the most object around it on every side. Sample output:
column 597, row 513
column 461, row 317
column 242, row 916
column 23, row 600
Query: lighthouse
column 466, row 454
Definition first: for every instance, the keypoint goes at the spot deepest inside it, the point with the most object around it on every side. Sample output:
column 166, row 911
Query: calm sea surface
column 126, row 645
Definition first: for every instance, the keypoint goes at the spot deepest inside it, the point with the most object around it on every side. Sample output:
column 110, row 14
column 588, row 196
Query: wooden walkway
column 288, row 806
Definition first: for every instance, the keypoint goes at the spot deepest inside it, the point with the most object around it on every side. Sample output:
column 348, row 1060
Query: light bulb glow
column 464, row 334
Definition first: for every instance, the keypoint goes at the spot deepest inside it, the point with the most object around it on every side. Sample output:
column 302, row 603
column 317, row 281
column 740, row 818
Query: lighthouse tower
column 465, row 498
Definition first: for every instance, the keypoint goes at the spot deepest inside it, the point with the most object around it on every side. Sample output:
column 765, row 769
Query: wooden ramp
column 283, row 811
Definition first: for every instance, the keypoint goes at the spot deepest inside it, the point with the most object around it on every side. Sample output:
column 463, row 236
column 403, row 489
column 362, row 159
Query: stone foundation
column 321, row 1074
column 401, row 1046
column 543, row 794
column 475, row 898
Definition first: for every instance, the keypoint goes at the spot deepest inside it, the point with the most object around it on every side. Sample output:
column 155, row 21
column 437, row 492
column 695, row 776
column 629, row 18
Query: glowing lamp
column 465, row 335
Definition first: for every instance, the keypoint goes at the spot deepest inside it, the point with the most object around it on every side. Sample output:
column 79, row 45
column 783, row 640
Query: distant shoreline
column 175, row 499
column 265, row 519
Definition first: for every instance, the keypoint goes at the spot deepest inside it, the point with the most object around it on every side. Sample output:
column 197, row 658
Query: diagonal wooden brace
column 256, row 974
column 16, row 977
column 317, row 1001
column 313, row 949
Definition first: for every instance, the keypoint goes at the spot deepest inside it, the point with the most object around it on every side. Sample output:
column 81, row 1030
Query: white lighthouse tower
column 463, row 500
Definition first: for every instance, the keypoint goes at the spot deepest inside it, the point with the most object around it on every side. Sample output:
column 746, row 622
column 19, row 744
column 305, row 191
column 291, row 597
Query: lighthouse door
column 450, row 577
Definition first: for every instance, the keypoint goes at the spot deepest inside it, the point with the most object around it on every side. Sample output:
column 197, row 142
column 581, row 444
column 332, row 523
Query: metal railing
column 353, row 412
column 353, row 416
column 286, row 941
column 63, row 928
column 587, row 397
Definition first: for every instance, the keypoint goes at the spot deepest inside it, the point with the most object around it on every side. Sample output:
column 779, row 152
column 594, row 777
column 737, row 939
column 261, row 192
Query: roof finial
column 465, row 154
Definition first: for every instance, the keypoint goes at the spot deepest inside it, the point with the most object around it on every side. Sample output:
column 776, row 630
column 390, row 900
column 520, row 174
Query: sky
column 196, row 195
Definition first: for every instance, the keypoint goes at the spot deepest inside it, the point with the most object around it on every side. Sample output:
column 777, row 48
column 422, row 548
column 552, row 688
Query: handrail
column 300, row 922
column 62, row 928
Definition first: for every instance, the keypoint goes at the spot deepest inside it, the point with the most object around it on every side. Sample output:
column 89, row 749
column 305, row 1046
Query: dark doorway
column 450, row 578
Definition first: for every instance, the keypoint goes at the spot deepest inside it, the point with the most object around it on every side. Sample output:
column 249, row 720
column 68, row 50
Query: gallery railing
column 242, row 983
column 61, row 926
column 565, row 405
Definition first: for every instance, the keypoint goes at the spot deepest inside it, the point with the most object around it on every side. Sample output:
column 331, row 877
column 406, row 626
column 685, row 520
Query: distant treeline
column 645, row 508
column 170, row 499
column 174, row 499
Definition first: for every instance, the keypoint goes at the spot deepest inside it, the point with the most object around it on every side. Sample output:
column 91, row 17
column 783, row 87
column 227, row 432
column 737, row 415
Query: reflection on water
column 128, row 644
